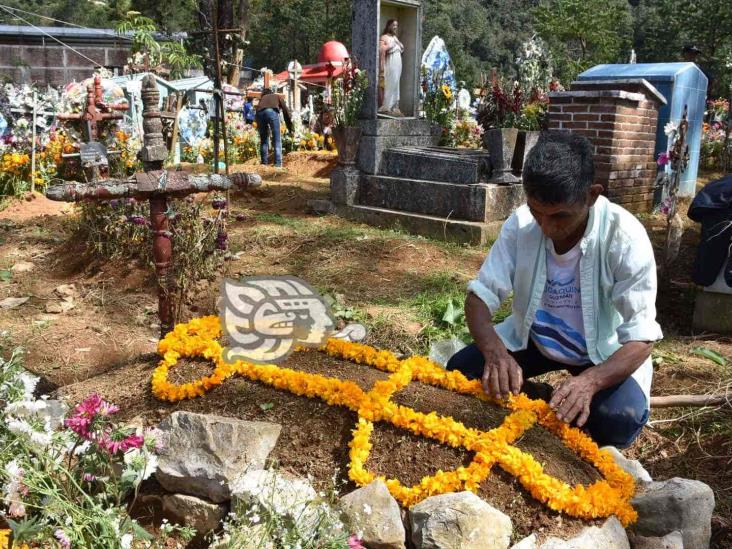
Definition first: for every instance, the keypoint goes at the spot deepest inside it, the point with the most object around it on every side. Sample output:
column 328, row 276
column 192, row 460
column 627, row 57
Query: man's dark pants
column 617, row 414
column 268, row 121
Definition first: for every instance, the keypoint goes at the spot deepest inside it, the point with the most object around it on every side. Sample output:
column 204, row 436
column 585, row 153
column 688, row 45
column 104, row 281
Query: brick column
column 619, row 117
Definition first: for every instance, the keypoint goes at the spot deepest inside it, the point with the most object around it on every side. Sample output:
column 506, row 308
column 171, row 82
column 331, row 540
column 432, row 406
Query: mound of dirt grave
column 315, row 436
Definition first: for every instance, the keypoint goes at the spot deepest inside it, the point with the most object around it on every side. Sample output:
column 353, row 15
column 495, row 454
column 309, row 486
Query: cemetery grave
column 354, row 444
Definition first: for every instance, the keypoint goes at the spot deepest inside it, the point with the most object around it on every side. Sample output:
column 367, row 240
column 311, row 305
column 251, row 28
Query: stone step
column 464, row 166
column 439, row 228
column 482, row 202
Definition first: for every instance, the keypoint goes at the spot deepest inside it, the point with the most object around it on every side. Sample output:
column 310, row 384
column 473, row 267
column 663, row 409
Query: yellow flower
column 198, row 338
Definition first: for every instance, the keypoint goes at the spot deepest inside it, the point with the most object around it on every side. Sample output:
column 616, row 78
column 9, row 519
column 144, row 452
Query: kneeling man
column 583, row 278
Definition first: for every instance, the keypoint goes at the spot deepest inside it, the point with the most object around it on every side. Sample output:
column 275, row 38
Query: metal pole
column 33, row 145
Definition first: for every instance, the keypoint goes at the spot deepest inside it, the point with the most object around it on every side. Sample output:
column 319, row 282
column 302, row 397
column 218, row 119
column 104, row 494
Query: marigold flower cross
column 609, row 496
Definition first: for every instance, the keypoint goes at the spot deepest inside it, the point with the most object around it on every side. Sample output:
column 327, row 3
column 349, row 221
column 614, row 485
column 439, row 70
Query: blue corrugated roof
column 654, row 71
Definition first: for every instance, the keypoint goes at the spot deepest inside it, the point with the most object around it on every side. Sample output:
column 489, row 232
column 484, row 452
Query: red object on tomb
column 333, row 52
column 331, row 57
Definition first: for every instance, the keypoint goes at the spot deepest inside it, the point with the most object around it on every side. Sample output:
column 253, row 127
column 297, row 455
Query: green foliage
column 119, row 229
column 480, row 34
column 283, row 30
column 172, row 54
column 584, row 33
column 663, row 27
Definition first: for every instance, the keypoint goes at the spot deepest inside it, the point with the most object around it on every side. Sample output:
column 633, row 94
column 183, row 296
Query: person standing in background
column 268, row 121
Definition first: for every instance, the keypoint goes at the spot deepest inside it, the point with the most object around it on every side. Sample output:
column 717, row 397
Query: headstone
column 682, row 84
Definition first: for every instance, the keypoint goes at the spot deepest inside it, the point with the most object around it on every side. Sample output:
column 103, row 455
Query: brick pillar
column 619, row 117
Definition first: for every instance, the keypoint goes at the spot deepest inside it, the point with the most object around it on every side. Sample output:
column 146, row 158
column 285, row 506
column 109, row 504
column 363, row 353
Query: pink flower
column 86, row 412
column 114, row 446
column 62, row 538
column 354, row 542
column 662, row 159
column 88, row 477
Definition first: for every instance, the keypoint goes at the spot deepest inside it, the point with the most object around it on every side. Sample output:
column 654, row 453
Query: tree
column 480, row 34
column 663, row 27
column 584, row 33
column 283, row 30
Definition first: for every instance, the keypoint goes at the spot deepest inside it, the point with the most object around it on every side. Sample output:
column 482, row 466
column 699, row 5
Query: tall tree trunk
column 243, row 17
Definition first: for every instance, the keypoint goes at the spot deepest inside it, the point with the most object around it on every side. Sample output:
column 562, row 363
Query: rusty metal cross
column 156, row 185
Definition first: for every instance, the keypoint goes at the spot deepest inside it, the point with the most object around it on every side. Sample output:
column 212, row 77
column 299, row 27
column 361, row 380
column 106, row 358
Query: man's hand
column 571, row 401
column 502, row 375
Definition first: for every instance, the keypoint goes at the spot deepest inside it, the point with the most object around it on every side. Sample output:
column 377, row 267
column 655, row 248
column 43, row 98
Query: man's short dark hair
column 559, row 169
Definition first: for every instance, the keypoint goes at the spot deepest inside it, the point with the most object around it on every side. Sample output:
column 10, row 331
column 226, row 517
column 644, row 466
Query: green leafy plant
column 69, row 479
column 437, row 103
column 145, row 45
column 349, row 94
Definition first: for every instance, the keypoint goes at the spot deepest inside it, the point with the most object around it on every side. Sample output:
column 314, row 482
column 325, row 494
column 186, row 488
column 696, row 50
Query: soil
column 107, row 343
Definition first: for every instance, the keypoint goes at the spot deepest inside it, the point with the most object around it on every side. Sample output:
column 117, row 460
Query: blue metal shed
column 681, row 84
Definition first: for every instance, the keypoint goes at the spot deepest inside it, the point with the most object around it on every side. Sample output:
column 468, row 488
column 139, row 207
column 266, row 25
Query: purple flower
column 62, row 538
column 221, row 239
column 88, row 477
column 663, row 159
column 137, row 220
column 218, row 204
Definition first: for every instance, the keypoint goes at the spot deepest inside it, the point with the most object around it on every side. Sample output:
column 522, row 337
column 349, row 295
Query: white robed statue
column 390, row 69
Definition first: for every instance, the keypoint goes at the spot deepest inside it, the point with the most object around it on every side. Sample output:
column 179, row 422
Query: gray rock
column 676, row 504
column 13, row 302
column 268, row 492
column 203, row 454
column 321, row 207
column 459, row 520
column 376, row 515
column 630, row 466
column 610, row 536
column 526, row 543
column 197, row 513
column 674, row 540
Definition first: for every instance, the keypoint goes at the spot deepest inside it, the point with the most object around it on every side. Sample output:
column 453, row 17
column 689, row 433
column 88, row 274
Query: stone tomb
column 401, row 178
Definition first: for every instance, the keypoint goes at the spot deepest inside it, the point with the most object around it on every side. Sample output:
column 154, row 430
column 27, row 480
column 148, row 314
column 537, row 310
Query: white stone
column 203, row 454
column 459, row 520
column 12, row 302
column 375, row 514
column 22, row 267
column 197, row 513
column 526, row 543
column 677, row 504
column 630, row 466
column 674, row 540
column 66, row 290
column 610, row 536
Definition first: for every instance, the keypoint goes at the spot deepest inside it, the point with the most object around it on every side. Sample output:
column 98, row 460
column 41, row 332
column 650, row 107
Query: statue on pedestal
column 390, row 69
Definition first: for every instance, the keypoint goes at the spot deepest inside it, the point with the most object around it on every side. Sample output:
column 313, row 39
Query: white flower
column 29, row 384
column 254, row 519
column 126, row 541
column 367, row 508
column 670, row 128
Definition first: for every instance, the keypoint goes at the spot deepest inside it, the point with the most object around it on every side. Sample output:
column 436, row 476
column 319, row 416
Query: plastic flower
column 663, row 159
column 670, row 128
